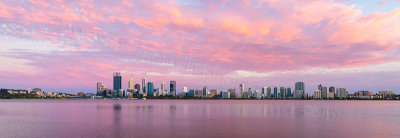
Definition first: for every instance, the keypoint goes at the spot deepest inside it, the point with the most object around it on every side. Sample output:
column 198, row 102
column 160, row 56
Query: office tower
column 185, row 89
column 163, row 88
column 250, row 93
column 268, row 92
column 324, row 92
column 300, row 86
column 299, row 90
column 282, row 92
column 387, row 94
column 288, row 92
column 214, row 92
column 137, row 87
column 144, row 84
column 234, row 93
column 341, row 92
column 205, row 90
column 172, row 88
column 332, row 89
column 241, row 88
column 317, row 94
column 150, row 89
column 320, row 87
column 264, row 91
column 275, row 92
column 117, row 81
column 99, row 88
column 225, row 95
column 131, row 84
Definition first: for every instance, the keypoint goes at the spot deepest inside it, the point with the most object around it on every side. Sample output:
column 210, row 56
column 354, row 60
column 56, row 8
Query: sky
column 70, row 45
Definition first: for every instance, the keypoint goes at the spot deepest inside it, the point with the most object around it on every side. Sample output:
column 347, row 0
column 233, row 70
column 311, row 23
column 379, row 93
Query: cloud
column 198, row 38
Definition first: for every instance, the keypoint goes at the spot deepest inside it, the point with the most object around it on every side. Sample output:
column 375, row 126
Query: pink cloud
column 260, row 35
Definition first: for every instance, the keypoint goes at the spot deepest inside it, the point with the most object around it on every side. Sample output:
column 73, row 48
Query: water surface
column 198, row 118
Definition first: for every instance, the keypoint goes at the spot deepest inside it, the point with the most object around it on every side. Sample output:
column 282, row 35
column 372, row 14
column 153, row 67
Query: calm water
column 198, row 118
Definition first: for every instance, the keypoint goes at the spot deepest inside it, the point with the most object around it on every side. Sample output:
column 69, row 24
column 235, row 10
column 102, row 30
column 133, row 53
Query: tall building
column 250, row 92
column 264, row 91
column 137, row 87
column 241, row 88
column 131, row 84
column 320, row 87
column 172, row 88
column 275, row 92
column 117, row 79
column 163, row 88
column 341, row 93
column 300, row 86
column 317, row 94
column 332, row 89
column 282, row 92
column 150, row 89
column 205, row 90
column 144, row 84
column 268, row 92
column 299, row 90
column 324, row 92
column 288, row 92
column 99, row 88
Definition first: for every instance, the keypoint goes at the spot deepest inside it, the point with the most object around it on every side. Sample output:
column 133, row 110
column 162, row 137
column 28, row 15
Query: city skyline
column 69, row 46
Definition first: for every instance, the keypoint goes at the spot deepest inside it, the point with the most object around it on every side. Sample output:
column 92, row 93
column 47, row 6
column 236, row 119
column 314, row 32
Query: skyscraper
column 117, row 81
column 163, row 88
column 150, row 89
column 172, row 88
column 241, row 88
column 131, row 84
column 299, row 86
column 282, row 92
column 341, row 92
column 288, row 92
column 332, row 89
column 324, row 92
column 144, row 84
column 275, row 92
column 299, row 90
column 137, row 87
column 99, row 88
column 205, row 90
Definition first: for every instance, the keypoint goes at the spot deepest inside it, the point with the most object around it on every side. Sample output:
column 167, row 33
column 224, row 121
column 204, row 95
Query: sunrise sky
column 69, row 45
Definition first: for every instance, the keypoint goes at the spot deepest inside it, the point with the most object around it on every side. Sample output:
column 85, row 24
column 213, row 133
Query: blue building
column 275, row 92
column 117, row 81
column 150, row 89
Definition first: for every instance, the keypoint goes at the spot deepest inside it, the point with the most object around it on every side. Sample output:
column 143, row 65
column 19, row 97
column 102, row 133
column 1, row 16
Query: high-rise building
column 163, row 88
column 137, row 87
column 268, row 92
column 341, row 93
column 172, row 88
column 264, row 91
column 214, row 92
column 150, row 89
column 144, row 84
column 300, row 86
column 275, row 92
column 99, row 88
column 320, row 87
column 205, row 91
column 117, row 79
column 282, row 92
column 131, row 84
column 299, row 90
column 288, row 92
column 250, row 93
column 241, row 88
column 324, row 92
column 317, row 94
column 332, row 89
column 233, row 93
